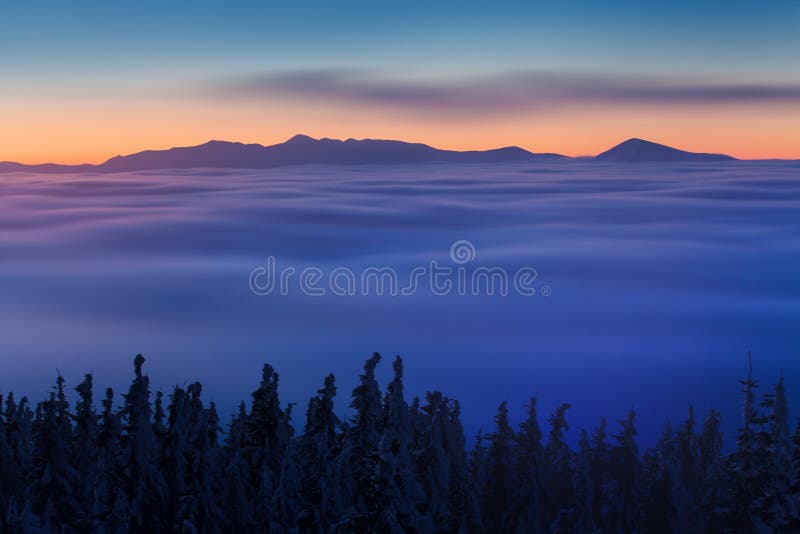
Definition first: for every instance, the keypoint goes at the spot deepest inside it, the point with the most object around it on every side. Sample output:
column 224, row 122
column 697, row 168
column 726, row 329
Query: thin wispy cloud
column 491, row 94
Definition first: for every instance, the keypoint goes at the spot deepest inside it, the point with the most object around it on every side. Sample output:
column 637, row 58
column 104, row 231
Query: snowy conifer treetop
column 161, row 463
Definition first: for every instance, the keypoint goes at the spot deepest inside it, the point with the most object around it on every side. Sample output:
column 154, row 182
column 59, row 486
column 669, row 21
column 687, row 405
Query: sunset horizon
column 477, row 146
column 573, row 79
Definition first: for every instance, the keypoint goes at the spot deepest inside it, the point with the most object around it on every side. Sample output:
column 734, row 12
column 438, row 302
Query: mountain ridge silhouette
column 305, row 150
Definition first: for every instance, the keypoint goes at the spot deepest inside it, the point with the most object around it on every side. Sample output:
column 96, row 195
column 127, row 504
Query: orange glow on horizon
column 87, row 132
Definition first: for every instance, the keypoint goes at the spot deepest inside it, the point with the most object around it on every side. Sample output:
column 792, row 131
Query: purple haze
column 663, row 276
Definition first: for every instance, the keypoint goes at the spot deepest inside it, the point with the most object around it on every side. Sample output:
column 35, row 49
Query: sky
column 85, row 81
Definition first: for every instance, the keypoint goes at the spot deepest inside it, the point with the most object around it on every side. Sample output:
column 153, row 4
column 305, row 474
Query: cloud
column 491, row 94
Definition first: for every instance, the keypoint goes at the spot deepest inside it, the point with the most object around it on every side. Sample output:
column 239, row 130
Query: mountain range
column 304, row 150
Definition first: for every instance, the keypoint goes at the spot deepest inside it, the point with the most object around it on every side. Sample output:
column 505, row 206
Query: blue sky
column 739, row 37
column 136, row 59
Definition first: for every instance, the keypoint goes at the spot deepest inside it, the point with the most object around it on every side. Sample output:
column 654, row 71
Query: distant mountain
column 10, row 166
column 299, row 150
column 639, row 150
column 305, row 150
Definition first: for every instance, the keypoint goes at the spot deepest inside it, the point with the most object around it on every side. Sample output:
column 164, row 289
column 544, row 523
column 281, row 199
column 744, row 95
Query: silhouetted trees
column 392, row 467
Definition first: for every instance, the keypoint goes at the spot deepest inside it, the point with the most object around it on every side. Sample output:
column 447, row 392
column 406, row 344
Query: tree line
column 159, row 464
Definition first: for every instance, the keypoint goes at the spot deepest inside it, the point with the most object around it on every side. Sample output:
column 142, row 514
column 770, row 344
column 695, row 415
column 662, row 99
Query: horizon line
column 99, row 163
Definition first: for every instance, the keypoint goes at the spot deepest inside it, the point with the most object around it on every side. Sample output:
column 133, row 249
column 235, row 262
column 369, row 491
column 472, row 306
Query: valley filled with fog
column 659, row 279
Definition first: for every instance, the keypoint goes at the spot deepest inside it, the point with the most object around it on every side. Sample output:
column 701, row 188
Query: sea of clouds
column 661, row 277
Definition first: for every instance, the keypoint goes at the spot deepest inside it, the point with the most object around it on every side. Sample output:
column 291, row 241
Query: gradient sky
column 83, row 81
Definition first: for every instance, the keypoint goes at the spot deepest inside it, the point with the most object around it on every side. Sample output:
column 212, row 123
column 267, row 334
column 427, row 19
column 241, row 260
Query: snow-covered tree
column 394, row 494
column 359, row 455
column 146, row 488
column 463, row 504
column 600, row 469
column 583, row 487
column 500, row 475
column 433, row 465
column 777, row 507
column 623, row 486
column 663, row 499
column 84, row 452
column 237, row 486
column 16, row 456
column 559, row 498
column 751, row 460
column 528, row 498
column 267, row 434
column 110, row 506
column 794, row 490
column 53, row 494
column 309, row 493
column 476, row 465
column 198, row 505
column 715, row 481
column 390, row 468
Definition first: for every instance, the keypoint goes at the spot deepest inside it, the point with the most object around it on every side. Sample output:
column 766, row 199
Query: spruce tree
column 52, row 495
column 687, row 490
column 528, row 499
column 199, row 508
column 110, row 506
column 600, row 469
column 478, row 479
column 713, row 469
column 794, row 490
column 395, row 494
column 237, row 487
column 500, row 479
column 146, row 488
column 433, row 466
column 267, row 434
column 751, row 460
column 359, row 457
column 583, row 487
column 778, row 508
column 175, row 454
column 144, row 468
column 624, row 476
column 18, row 454
column 84, row 451
column 318, row 492
column 558, row 457
column 463, row 499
